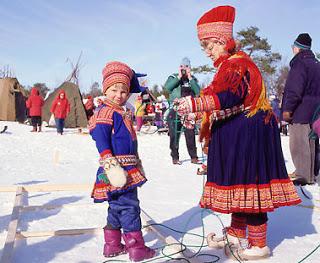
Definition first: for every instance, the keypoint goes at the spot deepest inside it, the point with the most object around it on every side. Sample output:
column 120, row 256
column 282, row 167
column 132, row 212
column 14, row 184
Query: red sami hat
column 217, row 23
column 116, row 72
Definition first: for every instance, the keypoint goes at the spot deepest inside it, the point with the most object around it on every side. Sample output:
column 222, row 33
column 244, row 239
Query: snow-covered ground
column 170, row 197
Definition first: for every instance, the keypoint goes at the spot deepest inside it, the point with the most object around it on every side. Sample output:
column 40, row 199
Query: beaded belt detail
column 126, row 160
column 226, row 113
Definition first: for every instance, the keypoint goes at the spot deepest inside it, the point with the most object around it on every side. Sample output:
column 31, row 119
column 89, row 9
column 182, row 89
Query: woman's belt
column 226, row 113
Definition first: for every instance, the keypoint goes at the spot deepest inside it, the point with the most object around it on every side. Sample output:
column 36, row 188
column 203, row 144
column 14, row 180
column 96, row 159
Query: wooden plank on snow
column 64, row 232
column 12, row 229
column 309, row 206
column 48, row 187
column 52, row 207
column 8, row 188
column 174, row 247
column 57, row 187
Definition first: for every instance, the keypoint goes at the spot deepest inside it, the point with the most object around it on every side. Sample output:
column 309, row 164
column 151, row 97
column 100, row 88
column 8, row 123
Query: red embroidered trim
column 106, row 154
column 114, row 72
column 116, row 78
column 251, row 198
column 257, row 235
column 100, row 190
column 223, row 30
column 204, row 103
column 103, row 116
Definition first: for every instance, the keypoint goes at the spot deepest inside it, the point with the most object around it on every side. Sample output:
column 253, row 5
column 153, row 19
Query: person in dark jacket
column 34, row 104
column 301, row 97
column 60, row 109
column 181, row 85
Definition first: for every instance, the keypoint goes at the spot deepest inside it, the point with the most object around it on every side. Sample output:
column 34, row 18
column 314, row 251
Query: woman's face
column 117, row 93
column 213, row 48
column 61, row 95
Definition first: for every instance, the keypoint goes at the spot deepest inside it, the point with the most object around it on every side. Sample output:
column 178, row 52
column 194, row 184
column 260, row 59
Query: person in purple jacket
column 301, row 98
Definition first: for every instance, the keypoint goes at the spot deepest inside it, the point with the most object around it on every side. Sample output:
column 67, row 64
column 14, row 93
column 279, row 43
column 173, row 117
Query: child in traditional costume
column 120, row 171
column 246, row 176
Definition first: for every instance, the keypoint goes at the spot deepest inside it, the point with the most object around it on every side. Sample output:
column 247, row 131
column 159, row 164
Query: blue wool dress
column 246, row 168
column 111, row 128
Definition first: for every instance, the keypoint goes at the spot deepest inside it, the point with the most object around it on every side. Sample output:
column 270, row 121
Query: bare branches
column 6, row 72
column 74, row 75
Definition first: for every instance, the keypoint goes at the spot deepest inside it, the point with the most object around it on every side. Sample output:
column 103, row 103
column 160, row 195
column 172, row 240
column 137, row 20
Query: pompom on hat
column 119, row 72
column 217, row 23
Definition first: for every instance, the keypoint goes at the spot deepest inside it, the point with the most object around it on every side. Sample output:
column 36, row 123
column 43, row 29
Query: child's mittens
column 116, row 174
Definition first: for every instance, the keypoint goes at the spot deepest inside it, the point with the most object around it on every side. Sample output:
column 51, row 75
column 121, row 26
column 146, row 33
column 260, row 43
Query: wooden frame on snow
column 18, row 208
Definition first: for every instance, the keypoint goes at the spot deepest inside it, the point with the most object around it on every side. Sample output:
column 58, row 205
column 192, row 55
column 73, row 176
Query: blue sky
column 151, row 36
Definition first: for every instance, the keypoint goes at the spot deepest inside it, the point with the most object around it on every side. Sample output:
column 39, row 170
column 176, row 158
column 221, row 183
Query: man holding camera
column 181, row 85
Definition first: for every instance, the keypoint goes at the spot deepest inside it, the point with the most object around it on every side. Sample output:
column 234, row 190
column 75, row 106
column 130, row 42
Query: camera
column 183, row 72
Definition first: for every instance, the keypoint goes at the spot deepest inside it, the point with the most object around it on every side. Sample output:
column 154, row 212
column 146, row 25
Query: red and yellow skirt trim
column 100, row 190
column 252, row 198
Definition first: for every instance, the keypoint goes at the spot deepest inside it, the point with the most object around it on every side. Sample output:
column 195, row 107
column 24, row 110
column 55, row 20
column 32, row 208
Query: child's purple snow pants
column 124, row 211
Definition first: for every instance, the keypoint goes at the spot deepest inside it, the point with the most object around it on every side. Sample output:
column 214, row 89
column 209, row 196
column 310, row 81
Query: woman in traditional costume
column 246, row 176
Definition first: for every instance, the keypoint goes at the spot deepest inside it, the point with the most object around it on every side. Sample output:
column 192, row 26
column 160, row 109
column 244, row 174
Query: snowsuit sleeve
column 172, row 83
column 53, row 106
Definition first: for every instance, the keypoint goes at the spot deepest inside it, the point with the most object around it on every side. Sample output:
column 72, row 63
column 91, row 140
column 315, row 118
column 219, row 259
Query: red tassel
column 231, row 46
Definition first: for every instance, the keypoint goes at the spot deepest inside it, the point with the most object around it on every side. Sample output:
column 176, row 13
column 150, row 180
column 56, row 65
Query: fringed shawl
column 232, row 71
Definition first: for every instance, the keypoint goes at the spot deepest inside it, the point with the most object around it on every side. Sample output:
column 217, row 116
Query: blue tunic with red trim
column 246, row 168
column 111, row 128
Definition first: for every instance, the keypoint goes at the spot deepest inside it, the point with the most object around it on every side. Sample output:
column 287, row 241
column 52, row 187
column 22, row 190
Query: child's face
column 117, row 93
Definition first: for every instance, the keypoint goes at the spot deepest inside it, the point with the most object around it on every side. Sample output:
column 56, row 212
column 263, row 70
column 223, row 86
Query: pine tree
column 205, row 69
column 260, row 51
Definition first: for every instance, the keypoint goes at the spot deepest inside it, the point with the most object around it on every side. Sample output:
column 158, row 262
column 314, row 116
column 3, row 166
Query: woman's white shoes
column 227, row 239
column 237, row 248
